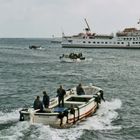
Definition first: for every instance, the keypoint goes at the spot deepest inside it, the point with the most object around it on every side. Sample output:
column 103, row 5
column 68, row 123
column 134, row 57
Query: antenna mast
column 88, row 28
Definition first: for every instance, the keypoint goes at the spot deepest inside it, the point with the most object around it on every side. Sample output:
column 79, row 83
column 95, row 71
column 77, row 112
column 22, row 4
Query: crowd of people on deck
column 75, row 55
column 41, row 106
column 72, row 55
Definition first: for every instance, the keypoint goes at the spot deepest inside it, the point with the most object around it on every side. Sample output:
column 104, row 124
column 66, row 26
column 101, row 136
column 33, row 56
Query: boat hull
column 77, row 108
column 99, row 46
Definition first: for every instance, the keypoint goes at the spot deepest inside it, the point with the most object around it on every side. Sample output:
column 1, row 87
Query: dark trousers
column 59, row 102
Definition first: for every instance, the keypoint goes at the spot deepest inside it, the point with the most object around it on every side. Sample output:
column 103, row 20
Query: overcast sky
column 45, row 18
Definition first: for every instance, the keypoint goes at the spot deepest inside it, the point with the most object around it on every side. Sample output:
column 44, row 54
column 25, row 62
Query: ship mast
column 88, row 28
column 138, row 22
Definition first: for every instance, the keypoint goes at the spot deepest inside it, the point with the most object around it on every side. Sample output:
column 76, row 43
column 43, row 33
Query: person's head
column 44, row 93
column 37, row 97
column 61, row 86
column 80, row 84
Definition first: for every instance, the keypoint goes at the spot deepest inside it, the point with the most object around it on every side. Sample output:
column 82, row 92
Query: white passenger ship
column 129, row 38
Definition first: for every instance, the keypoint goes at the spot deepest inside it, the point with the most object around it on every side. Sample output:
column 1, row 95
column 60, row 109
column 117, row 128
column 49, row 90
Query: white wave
column 58, row 134
column 9, row 116
column 101, row 121
column 14, row 132
column 104, row 116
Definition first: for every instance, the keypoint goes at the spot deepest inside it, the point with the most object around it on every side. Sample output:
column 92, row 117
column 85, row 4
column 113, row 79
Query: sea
column 26, row 73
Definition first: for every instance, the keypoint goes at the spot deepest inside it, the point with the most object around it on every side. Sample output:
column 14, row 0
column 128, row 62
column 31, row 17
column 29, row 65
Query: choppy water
column 25, row 73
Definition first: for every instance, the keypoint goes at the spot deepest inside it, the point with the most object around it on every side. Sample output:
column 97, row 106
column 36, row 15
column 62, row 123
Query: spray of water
column 102, row 120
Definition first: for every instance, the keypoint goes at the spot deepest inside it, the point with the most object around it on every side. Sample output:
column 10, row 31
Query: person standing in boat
column 46, row 99
column 80, row 90
column 38, row 104
column 60, row 94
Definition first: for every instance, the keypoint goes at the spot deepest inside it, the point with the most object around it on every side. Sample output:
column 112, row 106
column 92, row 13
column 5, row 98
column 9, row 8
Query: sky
column 48, row 18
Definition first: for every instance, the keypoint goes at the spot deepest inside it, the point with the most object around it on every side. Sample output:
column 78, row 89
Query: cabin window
column 89, row 42
column 114, row 42
column 122, row 42
column 94, row 42
column 98, row 42
column 84, row 42
column 105, row 42
column 118, row 42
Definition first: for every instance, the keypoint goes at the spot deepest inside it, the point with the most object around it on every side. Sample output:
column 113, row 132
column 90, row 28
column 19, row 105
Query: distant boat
column 56, row 40
column 129, row 38
column 72, row 57
column 35, row 47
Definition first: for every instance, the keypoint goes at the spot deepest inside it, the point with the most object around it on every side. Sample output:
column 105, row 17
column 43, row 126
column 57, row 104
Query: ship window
column 136, row 42
column 105, row 42
column 133, row 42
column 118, row 42
column 94, row 42
column 122, row 42
column 114, row 42
column 84, row 42
column 89, row 42
column 102, row 42
column 98, row 42
column 69, row 40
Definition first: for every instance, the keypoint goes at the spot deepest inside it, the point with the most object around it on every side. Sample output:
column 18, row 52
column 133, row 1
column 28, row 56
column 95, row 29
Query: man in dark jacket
column 80, row 90
column 38, row 104
column 46, row 99
column 60, row 93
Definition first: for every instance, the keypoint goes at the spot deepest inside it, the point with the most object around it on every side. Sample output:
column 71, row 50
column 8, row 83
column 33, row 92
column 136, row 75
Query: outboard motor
column 21, row 117
column 102, row 95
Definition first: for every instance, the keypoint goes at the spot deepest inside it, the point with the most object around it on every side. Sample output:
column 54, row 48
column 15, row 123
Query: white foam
column 104, row 116
column 10, row 116
column 14, row 132
column 101, row 121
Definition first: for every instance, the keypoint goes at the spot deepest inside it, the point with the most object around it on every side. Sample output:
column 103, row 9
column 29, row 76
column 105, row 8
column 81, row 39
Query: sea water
column 25, row 73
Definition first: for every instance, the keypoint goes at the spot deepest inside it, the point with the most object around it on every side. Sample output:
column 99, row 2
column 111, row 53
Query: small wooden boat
column 76, row 108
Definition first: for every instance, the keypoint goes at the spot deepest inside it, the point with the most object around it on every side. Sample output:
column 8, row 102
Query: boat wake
column 102, row 120
column 104, row 116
